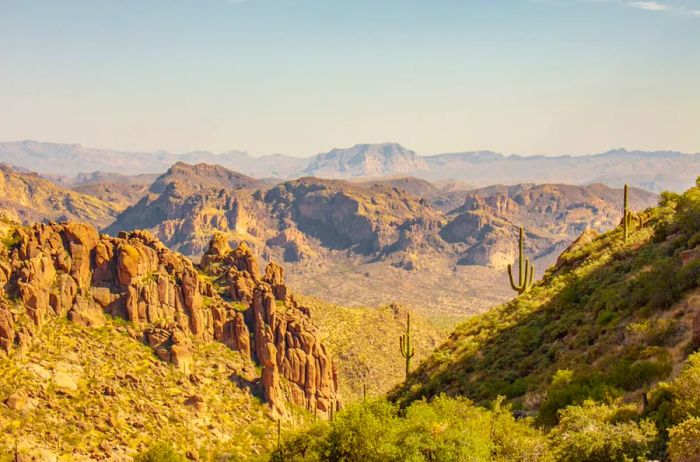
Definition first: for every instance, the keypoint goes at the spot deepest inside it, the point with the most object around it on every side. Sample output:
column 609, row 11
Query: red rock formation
column 285, row 342
column 69, row 270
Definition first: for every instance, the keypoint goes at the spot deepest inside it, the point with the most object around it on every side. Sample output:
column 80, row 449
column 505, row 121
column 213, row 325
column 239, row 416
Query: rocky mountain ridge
column 303, row 218
column 28, row 198
column 372, row 227
column 394, row 235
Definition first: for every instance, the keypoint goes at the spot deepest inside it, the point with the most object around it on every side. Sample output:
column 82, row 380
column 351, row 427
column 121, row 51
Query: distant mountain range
column 654, row 171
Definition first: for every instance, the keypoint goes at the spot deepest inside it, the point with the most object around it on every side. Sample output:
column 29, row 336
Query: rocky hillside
column 52, row 273
column 298, row 219
column 27, row 197
column 121, row 191
column 340, row 215
column 99, row 393
column 187, row 205
column 365, row 345
column 610, row 319
column 553, row 215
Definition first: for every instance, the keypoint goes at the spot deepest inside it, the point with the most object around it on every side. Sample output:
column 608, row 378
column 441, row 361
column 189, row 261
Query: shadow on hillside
column 254, row 387
column 580, row 321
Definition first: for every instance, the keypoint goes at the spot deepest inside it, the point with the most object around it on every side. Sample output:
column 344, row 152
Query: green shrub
column 162, row 452
column 689, row 276
column 684, row 440
column 655, row 331
column 597, row 433
column 11, row 240
column 630, row 374
column 685, row 390
column 568, row 389
column 445, row 429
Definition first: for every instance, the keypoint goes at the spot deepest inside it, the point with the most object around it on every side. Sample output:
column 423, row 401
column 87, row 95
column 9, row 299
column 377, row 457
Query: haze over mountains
column 653, row 171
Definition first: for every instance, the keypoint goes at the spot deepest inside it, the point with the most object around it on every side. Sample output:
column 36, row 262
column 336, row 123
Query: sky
column 301, row 77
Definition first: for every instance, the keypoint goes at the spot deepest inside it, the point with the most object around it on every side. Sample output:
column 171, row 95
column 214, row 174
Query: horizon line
column 311, row 156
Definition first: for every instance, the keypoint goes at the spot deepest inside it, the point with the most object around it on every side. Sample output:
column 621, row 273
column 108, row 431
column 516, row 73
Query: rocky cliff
column 552, row 214
column 367, row 219
column 69, row 270
column 188, row 204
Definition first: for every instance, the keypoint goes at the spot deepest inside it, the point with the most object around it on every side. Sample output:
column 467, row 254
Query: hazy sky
column 304, row 76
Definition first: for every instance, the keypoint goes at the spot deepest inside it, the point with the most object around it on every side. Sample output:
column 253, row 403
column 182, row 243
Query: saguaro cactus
column 526, row 271
column 407, row 350
column 626, row 216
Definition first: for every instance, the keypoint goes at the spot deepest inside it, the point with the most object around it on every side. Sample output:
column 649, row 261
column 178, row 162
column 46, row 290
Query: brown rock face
column 69, row 270
column 285, row 342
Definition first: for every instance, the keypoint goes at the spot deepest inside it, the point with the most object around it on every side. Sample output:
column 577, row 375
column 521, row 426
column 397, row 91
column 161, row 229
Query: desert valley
column 199, row 308
column 350, row 231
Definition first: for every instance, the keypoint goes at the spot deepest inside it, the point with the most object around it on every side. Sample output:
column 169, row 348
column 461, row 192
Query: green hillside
column 365, row 344
column 89, row 393
column 595, row 355
column 610, row 319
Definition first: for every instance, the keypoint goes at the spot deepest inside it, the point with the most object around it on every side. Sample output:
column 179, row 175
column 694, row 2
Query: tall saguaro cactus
column 526, row 271
column 627, row 216
column 407, row 350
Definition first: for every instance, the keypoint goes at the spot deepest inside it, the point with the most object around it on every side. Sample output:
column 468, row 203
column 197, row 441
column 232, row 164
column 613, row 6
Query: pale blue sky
column 304, row 76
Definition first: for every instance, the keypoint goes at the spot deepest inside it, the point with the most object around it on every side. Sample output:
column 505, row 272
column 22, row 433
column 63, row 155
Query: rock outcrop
column 341, row 215
column 188, row 204
column 69, row 270
column 296, row 365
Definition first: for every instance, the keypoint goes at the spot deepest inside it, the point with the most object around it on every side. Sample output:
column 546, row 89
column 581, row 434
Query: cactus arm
column 512, row 282
column 520, row 260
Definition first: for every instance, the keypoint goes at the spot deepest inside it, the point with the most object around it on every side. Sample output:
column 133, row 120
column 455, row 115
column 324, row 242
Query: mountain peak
column 203, row 176
column 366, row 160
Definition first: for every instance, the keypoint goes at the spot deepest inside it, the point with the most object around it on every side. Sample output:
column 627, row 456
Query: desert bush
column 568, row 389
column 445, row 429
column 654, row 331
column 684, row 440
column 630, row 373
column 161, row 452
column 596, row 432
column 685, row 390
